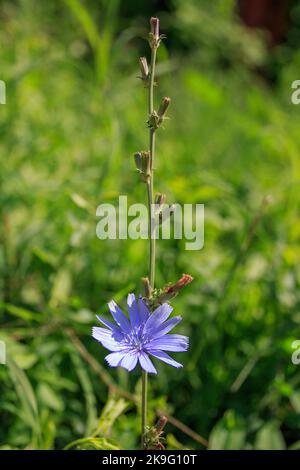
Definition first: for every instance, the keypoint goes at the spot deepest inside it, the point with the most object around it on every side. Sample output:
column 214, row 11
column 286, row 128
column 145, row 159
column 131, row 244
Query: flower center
column 136, row 341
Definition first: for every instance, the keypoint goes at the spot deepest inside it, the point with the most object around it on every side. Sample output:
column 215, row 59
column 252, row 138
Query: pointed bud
column 160, row 199
column 154, row 36
column 143, row 165
column 165, row 103
column 169, row 292
column 144, row 69
column 154, row 24
column 161, row 424
column 162, row 209
column 138, row 161
column 147, row 287
column 180, row 284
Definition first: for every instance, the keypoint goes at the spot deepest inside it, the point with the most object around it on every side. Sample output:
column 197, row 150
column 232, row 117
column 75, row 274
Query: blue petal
column 157, row 317
column 107, row 323
column 175, row 343
column 129, row 361
column 143, row 310
column 119, row 317
column 114, row 358
column 116, row 332
column 166, row 327
column 165, row 358
column 106, row 338
column 146, row 363
column 133, row 311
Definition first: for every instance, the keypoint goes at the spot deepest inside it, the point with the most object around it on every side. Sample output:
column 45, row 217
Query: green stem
column 151, row 81
column 144, row 407
column 151, row 230
column 151, row 235
column 152, row 156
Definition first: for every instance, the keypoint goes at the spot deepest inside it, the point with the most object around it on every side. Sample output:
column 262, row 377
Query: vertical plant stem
column 151, row 235
column 144, row 407
column 151, row 81
column 151, row 229
column 152, row 156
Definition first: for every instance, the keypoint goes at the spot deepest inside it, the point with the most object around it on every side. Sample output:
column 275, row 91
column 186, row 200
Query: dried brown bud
column 170, row 291
column 161, row 424
column 180, row 284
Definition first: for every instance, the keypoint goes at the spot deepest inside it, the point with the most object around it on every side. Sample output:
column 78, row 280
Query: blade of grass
column 27, row 398
column 90, row 399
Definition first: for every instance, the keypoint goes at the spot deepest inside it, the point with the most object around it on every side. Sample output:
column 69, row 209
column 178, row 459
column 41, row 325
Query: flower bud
column 156, row 118
column 170, row 291
column 154, row 36
column 154, row 23
column 147, row 287
column 144, row 69
column 143, row 164
column 154, row 121
column 165, row 103
column 160, row 199
column 161, row 424
column 180, row 284
column 138, row 161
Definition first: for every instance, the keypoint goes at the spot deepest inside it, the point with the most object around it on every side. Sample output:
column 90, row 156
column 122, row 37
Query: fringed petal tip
column 113, row 359
column 94, row 332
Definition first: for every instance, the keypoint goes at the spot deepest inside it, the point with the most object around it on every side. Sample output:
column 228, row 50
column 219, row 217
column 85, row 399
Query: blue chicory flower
column 132, row 340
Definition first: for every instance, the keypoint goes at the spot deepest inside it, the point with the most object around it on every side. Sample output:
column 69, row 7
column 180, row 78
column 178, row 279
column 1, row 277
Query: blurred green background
column 75, row 114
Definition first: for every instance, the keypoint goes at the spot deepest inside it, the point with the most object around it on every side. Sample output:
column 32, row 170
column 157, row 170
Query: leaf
column 24, row 390
column 295, row 446
column 23, row 313
column 93, row 443
column 269, row 437
column 112, row 410
column 49, row 429
column 49, row 397
column 22, row 384
column 61, row 287
column 21, row 353
column 90, row 399
column 295, row 401
column 45, row 257
column 228, row 434
column 80, row 201
column 86, row 21
column 174, row 444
